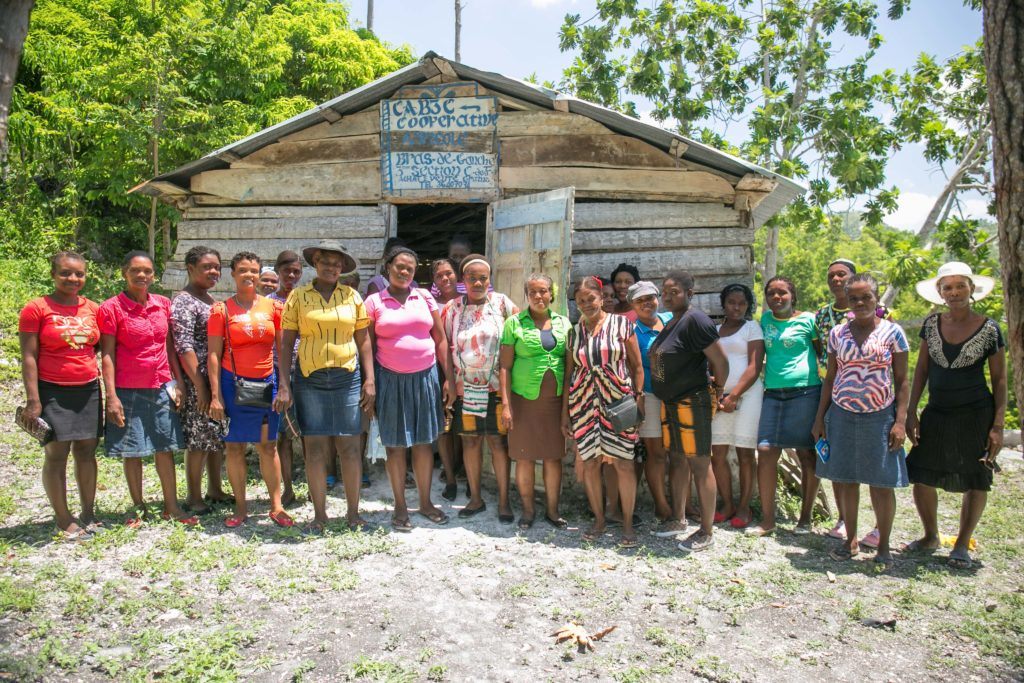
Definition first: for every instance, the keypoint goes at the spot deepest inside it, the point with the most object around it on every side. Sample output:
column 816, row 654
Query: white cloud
column 915, row 206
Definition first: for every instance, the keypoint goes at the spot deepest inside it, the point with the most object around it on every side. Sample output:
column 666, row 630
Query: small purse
column 623, row 414
column 40, row 430
column 251, row 393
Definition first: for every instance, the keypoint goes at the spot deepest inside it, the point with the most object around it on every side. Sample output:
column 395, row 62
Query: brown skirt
column 536, row 425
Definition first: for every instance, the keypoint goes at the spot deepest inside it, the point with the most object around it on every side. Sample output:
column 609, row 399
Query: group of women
column 643, row 383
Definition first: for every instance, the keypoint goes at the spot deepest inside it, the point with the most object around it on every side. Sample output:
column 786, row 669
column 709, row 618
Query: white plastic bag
column 374, row 448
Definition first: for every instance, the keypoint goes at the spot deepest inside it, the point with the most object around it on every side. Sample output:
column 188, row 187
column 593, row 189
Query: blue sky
column 520, row 37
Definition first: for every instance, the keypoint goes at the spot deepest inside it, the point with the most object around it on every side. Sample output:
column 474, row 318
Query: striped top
column 864, row 382
column 325, row 326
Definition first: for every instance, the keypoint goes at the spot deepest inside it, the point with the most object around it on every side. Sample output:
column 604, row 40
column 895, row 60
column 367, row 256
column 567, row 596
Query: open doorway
column 428, row 229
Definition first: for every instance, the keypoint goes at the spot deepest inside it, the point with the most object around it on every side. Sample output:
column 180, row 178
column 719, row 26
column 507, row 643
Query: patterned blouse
column 600, row 376
column 864, row 381
column 829, row 317
column 474, row 332
column 956, row 372
column 188, row 318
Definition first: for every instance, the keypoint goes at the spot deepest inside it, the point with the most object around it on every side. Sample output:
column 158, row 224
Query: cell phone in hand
column 822, row 450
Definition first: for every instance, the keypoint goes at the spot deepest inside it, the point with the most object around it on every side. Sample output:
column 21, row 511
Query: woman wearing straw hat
column 960, row 432
column 335, row 380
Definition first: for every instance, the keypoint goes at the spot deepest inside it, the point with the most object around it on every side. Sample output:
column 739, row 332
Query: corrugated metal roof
column 367, row 95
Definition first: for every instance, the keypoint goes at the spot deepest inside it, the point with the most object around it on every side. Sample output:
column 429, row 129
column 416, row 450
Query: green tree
column 100, row 78
column 774, row 65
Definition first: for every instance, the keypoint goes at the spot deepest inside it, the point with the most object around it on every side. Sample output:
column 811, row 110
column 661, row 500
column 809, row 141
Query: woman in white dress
column 735, row 424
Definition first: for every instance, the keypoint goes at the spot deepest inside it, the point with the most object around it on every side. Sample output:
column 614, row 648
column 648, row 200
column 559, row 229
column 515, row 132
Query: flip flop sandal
column 437, row 517
column 218, row 502
column 916, row 547
column 737, row 523
column 758, row 531
column 592, row 535
column 191, row 520
column 719, row 518
column 802, row 530
column 77, row 536
column 960, row 560
column 195, row 510
column 357, row 526
column 313, row 529
column 525, row 523
column 235, row 521
column 842, row 554
column 627, row 542
column 871, row 539
column 557, row 523
column 401, row 525
column 282, row 519
column 884, row 563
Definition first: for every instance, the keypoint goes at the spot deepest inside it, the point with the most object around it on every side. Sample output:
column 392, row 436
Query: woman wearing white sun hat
column 960, row 431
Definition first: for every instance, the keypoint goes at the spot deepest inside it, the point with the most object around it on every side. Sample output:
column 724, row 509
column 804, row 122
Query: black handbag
column 251, row 393
column 623, row 414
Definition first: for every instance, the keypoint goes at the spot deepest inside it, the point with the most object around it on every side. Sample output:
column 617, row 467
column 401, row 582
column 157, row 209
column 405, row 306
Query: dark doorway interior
column 428, row 228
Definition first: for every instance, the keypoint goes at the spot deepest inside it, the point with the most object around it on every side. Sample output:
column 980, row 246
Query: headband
column 267, row 269
column 470, row 262
column 844, row 262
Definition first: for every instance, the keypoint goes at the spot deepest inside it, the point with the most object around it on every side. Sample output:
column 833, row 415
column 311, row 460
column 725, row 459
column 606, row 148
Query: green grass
column 16, row 596
column 365, row 668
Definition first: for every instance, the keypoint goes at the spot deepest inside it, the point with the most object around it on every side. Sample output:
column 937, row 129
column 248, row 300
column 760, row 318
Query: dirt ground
column 477, row 600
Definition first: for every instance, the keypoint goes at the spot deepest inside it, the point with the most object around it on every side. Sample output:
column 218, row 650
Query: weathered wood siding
column 711, row 241
column 268, row 230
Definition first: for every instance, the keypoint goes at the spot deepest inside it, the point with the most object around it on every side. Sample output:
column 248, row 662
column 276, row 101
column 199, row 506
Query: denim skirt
column 150, row 425
column 245, row 423
column 409, row 407
column 327, row 402
column 787, row 417
column 859, row 452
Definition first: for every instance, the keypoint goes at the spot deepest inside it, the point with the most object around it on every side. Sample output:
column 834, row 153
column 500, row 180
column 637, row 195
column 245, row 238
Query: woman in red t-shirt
column 243, row 332
column 58, row 335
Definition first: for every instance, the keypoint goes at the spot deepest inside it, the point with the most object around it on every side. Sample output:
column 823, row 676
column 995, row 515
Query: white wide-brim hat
column 983, row 284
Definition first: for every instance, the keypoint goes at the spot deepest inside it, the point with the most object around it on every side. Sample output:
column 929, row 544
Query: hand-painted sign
column 440, row 147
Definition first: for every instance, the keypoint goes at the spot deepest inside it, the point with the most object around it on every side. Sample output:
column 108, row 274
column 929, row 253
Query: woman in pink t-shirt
column 142, row 379
column 408, row 340
column 58, row 335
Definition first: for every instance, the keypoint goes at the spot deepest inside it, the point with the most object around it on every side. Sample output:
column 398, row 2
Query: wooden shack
column 542, row 181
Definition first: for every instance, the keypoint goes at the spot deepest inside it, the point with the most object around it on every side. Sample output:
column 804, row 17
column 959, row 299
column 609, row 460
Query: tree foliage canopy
column 100, row 78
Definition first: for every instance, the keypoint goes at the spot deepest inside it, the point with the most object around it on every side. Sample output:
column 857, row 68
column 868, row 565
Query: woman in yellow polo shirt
column 334, row 383
column 532, row 374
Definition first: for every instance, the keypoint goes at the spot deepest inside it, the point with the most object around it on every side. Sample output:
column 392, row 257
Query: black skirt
column 953, row 441
column 74, row 411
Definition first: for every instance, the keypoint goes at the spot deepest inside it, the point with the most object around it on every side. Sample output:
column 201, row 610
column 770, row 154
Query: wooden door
column 531, row 234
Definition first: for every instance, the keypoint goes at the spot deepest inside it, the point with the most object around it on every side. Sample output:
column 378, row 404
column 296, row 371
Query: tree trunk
column 13, row 29
column 369, row 15
column 771, row 251
column 1004, row 66
column 458, row 30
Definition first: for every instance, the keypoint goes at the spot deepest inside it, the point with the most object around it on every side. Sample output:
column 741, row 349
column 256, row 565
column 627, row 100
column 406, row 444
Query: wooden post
column 458, row 30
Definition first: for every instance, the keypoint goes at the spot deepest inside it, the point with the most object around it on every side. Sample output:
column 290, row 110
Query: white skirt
column 739, row 428
column 650, row 428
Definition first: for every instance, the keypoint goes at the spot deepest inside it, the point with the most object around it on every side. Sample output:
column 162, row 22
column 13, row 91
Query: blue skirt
column 787, row 417
column 150, row 425
column 409, row 407
column 245, row 423
column 859, row 449
column 327, row 402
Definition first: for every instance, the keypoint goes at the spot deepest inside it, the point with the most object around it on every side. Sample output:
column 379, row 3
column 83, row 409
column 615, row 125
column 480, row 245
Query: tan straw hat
column 349, row 263
column 929, row 289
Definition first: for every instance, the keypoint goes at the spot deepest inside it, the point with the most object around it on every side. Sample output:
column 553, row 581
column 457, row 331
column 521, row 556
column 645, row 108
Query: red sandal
column 235, row 521
column 282, row 518
column 187, row 521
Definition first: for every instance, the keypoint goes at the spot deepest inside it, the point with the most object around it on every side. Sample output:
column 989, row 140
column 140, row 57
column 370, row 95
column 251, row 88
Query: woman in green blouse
column 532, row 371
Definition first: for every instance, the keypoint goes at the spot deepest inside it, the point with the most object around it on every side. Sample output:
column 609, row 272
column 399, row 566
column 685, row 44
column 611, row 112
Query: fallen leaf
column 608, row 566
column 601, row 634
column 779, row 605
column 739, row 581
column 831, row 577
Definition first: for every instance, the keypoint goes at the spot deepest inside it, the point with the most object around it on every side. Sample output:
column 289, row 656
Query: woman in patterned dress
column 190, row 311
column 960, row 432
column 603, row 364
column 473, row 324
column 862, row 413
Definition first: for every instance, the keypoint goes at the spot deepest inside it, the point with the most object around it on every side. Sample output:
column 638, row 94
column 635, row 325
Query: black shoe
column 450, row 491
column 466, row 512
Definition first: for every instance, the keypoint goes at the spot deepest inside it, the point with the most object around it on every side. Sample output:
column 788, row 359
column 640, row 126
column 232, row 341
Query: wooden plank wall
column 711, row 241
column 268, row 230
column 339, row 163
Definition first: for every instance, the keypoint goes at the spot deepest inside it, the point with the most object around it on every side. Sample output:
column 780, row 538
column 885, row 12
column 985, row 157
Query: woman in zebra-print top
column 603, row 365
